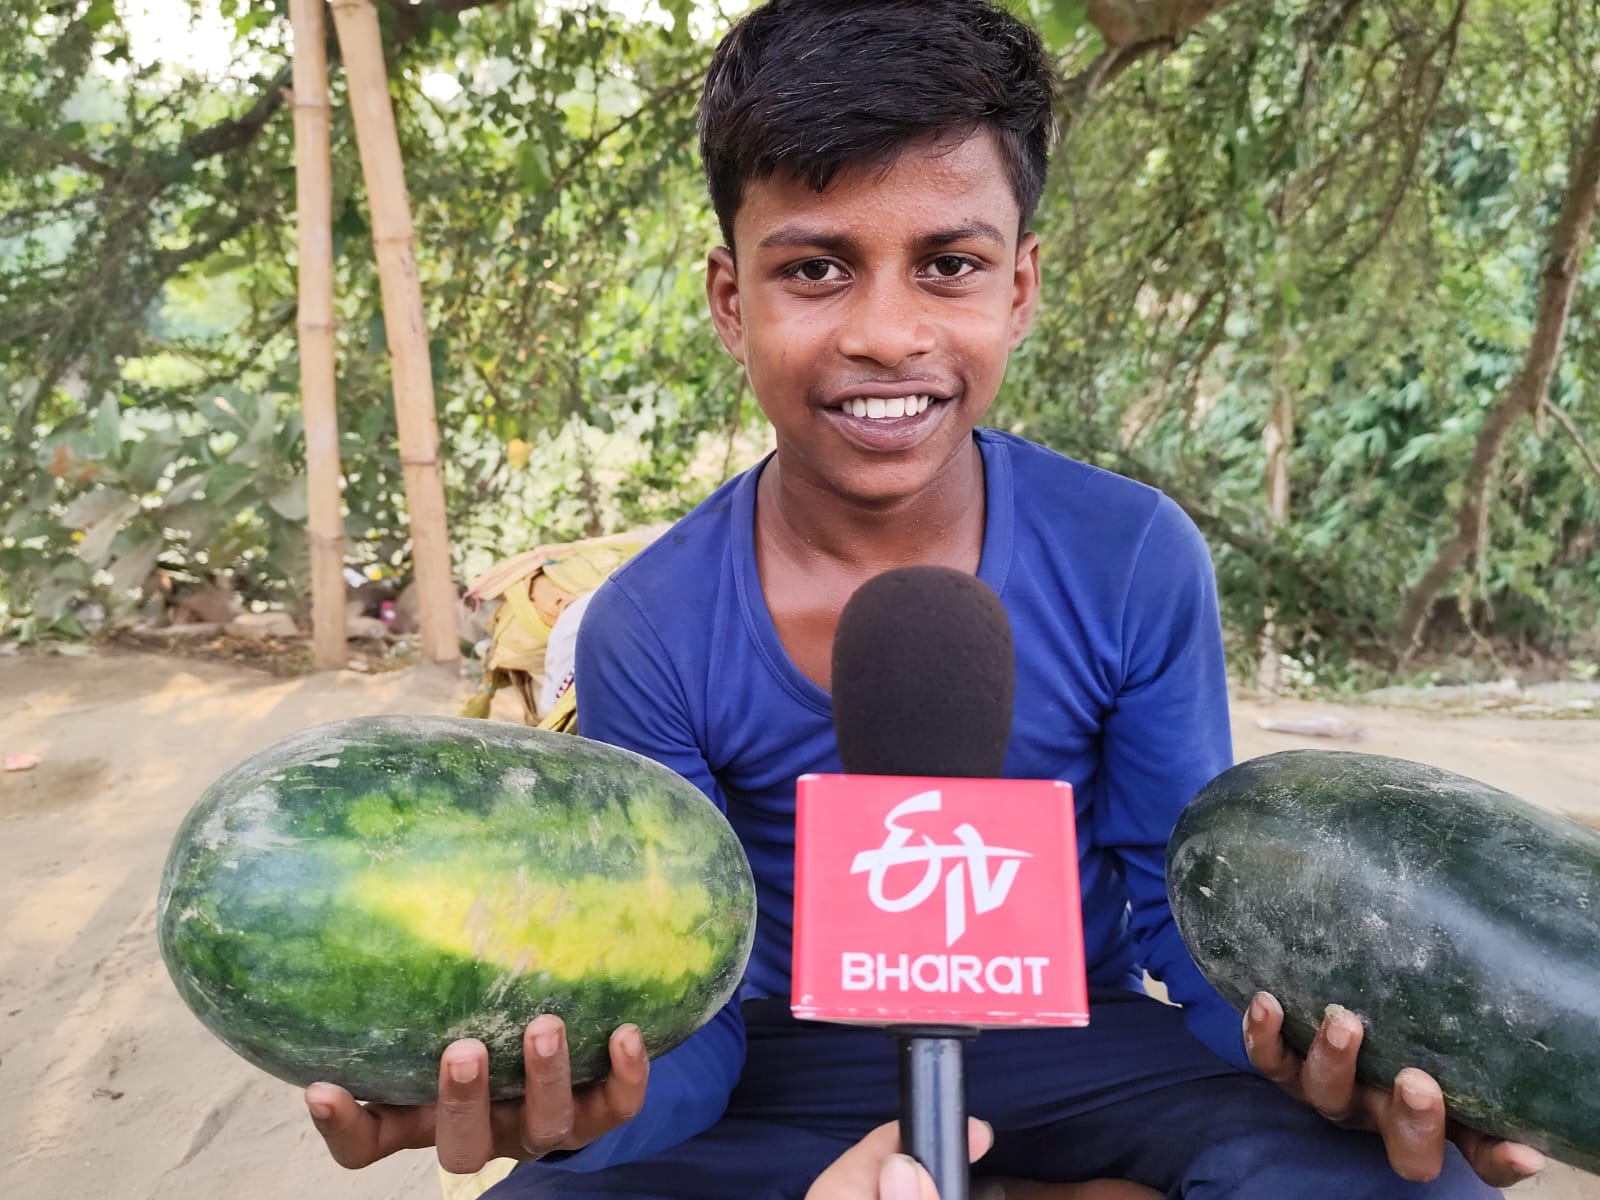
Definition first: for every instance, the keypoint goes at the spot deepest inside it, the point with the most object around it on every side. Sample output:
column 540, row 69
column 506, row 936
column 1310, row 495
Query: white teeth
column 892, row 409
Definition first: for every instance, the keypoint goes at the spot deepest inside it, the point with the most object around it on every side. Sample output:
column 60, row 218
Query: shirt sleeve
column 1167, row 736
column 629, row 695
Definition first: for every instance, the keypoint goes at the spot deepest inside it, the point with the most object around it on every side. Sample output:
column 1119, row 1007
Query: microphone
column 924, row 676
column 923, row 689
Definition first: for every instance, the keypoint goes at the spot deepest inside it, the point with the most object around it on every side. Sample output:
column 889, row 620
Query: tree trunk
column 394, row 243
column 314, row 194
column 1526, row 393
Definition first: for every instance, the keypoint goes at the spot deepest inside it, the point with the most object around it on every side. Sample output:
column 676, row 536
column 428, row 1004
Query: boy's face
column 875, row 318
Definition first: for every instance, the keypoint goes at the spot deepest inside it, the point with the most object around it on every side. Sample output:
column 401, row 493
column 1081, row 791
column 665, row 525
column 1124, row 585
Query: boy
column 874, row 167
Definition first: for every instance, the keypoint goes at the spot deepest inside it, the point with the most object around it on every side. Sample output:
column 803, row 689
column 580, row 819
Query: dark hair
column 812, row 86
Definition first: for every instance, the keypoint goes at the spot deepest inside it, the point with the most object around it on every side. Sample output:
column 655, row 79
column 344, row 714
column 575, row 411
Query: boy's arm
column 629, row 695
column 1167, row 736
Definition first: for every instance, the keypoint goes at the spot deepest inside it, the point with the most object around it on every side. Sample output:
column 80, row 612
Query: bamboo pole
column 314, row 196
column 1278, row 438
column 393, row 242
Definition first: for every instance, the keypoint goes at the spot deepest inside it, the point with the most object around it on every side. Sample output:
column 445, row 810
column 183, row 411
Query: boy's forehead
column 929, row 186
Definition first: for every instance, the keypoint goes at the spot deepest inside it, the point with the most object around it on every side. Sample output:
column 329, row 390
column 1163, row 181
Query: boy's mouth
column 890, row 408
column 888, row 424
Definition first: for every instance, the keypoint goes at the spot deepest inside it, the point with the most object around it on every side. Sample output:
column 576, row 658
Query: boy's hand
column 874, row 1168
column 1411, row 1118
column 469, row 1130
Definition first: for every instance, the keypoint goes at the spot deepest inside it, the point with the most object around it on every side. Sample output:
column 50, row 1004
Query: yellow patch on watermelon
column 643, row 929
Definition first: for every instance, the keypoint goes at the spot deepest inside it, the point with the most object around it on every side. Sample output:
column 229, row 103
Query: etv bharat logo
column 970, row 872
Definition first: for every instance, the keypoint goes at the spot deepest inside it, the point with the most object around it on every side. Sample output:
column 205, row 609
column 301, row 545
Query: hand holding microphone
column 876, row 1169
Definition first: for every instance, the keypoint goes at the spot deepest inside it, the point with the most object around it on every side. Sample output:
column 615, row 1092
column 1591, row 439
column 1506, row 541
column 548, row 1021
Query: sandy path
column 109, row 1088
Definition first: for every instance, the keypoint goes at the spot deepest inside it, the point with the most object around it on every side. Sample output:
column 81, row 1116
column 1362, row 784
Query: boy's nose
column 887, row 325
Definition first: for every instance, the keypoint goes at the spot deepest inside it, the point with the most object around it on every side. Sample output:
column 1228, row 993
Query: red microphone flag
column 937, row 901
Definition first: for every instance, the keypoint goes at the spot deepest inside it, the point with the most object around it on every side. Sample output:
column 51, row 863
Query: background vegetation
column 1318, row 268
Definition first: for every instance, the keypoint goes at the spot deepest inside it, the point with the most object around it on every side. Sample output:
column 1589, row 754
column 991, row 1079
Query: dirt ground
column 109, row 1088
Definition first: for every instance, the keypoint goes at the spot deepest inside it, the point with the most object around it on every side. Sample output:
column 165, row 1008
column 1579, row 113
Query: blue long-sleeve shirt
column 1120, row 690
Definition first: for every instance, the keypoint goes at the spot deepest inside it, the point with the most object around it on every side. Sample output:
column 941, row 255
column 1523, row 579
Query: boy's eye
column 814, row 270
column 952, row 266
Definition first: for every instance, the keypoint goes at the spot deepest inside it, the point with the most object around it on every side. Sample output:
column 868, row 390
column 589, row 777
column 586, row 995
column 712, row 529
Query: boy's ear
column 1025, row 288
column 722, row 291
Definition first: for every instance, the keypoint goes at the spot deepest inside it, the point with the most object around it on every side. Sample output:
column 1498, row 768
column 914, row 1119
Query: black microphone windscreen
column 923, row 676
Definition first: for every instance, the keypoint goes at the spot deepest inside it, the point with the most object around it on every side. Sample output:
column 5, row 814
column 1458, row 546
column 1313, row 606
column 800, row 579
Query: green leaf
column 151, row 457
column 134, row 565
column 1063, row 21
column 184, row 490
column 224, row 483
column 101, row 13
column 251, row 21
column 679, row 11
column 92, row 507
column 52, row 600
column 228, row 409
column 200, row 519
column 533, row 165
column 1291, row 298
column 96, row 545
column 108, row 427
column 373, row 422
column 290, row 501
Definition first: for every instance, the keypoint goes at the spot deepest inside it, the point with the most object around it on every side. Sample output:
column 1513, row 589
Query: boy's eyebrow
column 800, row 237
column 973, row 229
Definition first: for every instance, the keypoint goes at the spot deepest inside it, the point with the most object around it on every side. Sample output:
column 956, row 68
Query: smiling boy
column 874, row 167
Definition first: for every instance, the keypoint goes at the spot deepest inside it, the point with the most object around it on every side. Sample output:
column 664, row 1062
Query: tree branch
column 1413, row 150
column 235, row 132
column 1133, row 30
column 67, row 155
column 1564, row 419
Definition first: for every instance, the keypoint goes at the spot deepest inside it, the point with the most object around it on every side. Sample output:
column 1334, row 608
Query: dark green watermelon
column 343, row 905
column 1459, row 923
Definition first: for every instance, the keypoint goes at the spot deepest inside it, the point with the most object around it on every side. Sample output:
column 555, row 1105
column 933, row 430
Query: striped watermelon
column 343, row 905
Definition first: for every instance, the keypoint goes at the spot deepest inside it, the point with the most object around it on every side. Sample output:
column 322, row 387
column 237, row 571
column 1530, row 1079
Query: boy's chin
column 886, row 485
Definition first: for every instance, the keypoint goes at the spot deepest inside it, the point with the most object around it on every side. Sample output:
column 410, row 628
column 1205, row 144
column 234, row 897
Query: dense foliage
column 1322, row 222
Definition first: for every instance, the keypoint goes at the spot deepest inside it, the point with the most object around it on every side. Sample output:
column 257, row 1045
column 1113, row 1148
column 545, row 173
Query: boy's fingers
column 461, row 1122
column 1329, row 1075
column 620, row 1096
column 1413, row 1126
column 1498, row 1163
column 358, row 1135
column 1263, row 1041
column 547, row 1105
column 350, row 1132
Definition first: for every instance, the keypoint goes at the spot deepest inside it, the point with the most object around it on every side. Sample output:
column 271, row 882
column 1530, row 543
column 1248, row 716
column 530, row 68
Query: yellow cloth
column 533, row 589
column 470, row 1187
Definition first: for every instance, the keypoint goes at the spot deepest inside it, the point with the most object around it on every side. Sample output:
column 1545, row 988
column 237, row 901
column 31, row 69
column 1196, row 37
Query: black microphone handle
column 933, row 1103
